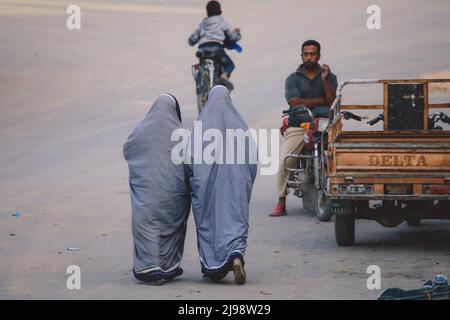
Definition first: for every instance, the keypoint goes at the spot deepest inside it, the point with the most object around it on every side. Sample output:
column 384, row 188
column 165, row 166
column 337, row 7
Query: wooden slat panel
column 417, row 189
column 362, row 107
column 399, row 150
column 395, row 160
column 391, row 145
column 380, row 107
column 385, row 105
column 413, row 134
column 432, row 140
column 393, row 135
column 379, row 188
column 425, row 106
column 415, row 81
column 392, row 179
column 395, row 169
column 439, row 105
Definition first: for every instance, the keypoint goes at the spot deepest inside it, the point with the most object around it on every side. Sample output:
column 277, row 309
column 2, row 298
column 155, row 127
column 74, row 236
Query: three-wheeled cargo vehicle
column 406, row 165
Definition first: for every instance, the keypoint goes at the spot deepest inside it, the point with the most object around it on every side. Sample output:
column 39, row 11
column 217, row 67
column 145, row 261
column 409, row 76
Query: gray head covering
column 221, row 192
column 159, row 192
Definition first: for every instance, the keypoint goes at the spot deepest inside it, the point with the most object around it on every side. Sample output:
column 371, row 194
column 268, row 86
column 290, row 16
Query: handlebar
column 348, row 115
column 434, row 118
column 380, row 117
column 444, row 118
column 302, row 109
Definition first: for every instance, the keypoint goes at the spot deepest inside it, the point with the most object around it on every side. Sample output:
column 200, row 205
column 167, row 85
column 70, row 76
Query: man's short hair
column 312, row 43
column 213, row 8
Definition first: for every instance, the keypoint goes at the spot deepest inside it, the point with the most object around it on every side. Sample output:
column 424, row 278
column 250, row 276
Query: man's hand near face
column 329, row 91
column 325, row 71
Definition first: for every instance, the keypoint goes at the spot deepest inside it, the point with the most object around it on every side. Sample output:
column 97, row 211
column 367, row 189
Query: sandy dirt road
column 69, row 99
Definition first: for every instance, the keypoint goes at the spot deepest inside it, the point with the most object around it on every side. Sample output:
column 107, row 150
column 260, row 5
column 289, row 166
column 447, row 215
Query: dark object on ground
column 435, row 289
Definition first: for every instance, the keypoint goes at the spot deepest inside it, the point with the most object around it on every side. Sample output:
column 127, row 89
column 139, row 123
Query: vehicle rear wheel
column 322, row 206
column 344, row 223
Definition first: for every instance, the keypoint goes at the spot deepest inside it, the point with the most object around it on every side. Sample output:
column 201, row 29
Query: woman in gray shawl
column 159, row 192
column 221, row 191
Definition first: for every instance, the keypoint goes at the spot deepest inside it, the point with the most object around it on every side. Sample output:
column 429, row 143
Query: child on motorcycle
column 211, row 34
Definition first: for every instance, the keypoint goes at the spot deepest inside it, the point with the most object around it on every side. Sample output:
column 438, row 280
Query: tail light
column 305, row 125
column 436, row 189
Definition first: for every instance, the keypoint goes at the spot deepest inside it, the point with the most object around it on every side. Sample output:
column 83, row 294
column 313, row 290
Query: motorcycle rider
column 314, row 86
column 211, row 34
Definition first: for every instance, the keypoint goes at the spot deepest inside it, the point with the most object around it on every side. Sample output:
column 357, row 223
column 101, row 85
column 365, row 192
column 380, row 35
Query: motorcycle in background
column 207, row 72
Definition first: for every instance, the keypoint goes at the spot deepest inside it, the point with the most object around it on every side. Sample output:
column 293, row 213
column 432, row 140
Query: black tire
column 322, row 206
column 413, row 222
column 344, row 228
column 344, row 223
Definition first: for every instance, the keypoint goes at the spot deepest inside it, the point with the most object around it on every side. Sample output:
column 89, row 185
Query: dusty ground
column 69, row 99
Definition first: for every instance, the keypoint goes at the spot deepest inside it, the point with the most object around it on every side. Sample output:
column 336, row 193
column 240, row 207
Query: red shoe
column 278, row 211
